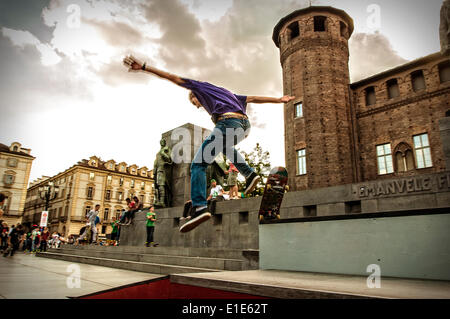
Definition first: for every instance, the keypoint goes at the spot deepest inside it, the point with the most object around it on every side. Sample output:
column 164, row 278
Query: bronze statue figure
column 162, row 172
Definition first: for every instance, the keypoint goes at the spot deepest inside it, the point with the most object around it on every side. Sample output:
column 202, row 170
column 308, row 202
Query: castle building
column 337, row 132
column 81, row 187
column 15, row 167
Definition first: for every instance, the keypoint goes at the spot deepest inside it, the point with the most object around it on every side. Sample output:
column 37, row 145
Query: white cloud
column 22, row 38
column 371, row 53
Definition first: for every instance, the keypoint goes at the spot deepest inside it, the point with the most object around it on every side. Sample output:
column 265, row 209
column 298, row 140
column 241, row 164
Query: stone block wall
column 236, row 225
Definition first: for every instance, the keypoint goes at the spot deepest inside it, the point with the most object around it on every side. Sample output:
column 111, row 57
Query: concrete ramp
column 304, row 285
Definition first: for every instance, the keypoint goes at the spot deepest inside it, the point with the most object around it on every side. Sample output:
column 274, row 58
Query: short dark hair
column 128, row 198
column 2, row 197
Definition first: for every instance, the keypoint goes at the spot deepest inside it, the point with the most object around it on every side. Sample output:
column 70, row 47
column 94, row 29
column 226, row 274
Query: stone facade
column 397, row 120
column 235, row 224
column 81, row 187
column 341, row 124
column 184, row 141
column 15, row 167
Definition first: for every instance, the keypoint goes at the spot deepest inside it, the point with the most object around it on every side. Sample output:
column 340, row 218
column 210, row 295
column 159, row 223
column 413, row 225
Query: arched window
column 404, row 158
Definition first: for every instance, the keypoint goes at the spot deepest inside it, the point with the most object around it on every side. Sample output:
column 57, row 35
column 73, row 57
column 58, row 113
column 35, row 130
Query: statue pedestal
column 184, row 141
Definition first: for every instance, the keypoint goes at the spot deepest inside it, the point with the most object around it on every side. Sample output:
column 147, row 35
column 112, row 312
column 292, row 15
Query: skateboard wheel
column 278, row 216
column 286, row 188
column 261, row 217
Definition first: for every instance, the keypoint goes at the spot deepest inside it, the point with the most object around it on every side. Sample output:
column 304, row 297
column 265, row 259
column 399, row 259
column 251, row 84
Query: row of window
column 404, row 158
column 417, row 83
column 57, row 212
column 108, row 194
column 320, row 25
column 121, row 181
column 417, row 80
column 122, row 168
column 106, row 212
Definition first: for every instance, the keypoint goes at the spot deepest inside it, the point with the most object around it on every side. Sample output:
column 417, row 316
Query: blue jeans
column 226, row 134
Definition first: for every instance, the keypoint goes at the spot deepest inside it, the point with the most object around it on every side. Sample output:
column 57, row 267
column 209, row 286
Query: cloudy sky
column 65, row 94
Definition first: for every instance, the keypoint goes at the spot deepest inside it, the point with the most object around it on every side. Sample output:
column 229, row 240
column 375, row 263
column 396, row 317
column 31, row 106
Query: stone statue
column 162, row 173
column 444, row 28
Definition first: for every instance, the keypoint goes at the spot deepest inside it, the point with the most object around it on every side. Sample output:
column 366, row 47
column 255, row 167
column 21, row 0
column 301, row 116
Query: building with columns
column 81, row 187
column 15, row 167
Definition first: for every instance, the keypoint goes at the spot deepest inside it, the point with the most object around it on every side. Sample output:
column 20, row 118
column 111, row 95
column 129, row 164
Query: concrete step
column 173, row 251
column 196, row 262
column 147, row 267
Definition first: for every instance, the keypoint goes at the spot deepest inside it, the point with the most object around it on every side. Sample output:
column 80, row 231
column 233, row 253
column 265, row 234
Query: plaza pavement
column 25, row 276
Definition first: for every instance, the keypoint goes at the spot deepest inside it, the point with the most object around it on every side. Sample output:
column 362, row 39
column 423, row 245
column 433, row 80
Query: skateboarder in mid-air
column 228, row 112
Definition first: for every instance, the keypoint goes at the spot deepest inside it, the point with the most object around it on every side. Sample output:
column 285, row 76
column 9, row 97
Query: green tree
column 259, row 160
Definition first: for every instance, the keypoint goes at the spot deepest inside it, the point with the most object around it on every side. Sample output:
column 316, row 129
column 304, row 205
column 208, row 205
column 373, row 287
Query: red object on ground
column 164, row 289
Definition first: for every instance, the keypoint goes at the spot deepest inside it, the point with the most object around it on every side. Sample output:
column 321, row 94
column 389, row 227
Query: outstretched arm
column 134, row 64
column 263, row 99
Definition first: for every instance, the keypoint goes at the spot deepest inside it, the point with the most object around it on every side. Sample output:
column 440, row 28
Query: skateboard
column 274, row 190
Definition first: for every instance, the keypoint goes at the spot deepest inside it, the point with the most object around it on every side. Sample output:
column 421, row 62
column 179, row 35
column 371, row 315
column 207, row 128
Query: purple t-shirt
column 216, row 100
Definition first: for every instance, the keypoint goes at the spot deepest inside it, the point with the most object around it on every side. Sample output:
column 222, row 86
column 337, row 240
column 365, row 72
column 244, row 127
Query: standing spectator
column 92, row 217
column 44, row 238
column 14, row 240
column 4, row 236
column 27, row 244
column 35, row 234
column 151, row 218
column 10, row 230
column 119, row 228
column 115, row 229
column 232, row 181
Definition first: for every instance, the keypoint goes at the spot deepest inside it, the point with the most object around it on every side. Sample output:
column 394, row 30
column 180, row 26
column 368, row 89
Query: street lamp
column 48, row 192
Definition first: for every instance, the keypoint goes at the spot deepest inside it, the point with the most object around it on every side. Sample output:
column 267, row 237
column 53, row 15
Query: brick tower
column 314, row 54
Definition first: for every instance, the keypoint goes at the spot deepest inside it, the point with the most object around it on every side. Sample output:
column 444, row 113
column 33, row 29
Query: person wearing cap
column 216, row 190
